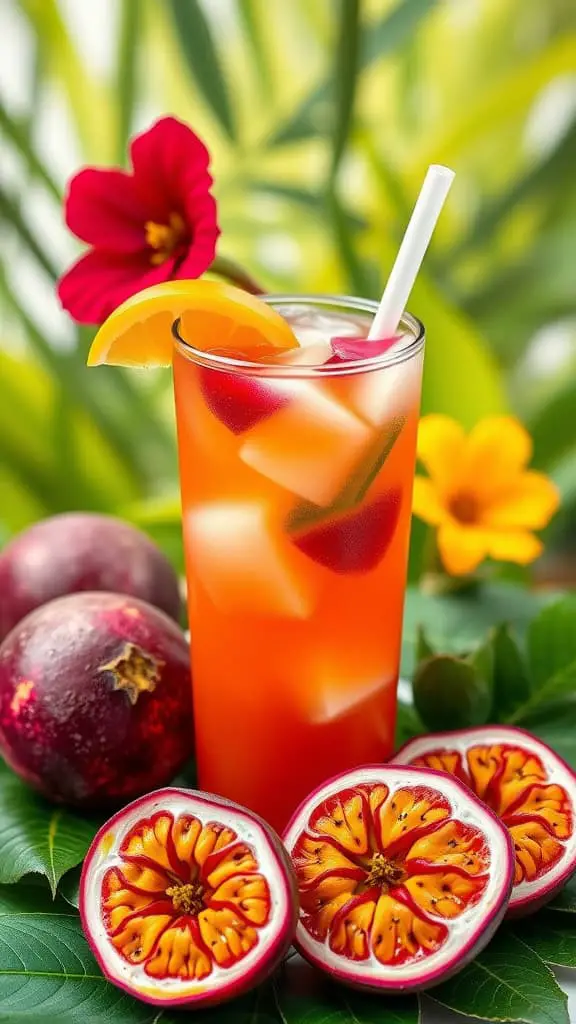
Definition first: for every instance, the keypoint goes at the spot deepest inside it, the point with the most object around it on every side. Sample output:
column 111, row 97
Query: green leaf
column 552, row 937
column 507, row 981
column 424, row 649
column 359, row 279
column 47, row 971
column 202, row 60
column 539, row 181
column 302, row 197
column 69, row 886
column 303, row 996
column 161, row 518
column 11, row 213
column 378, row 40
column 553, row 427
column 250, row 14
column 453, row 340
column 565, row 901
column 506, row 96
column 394, row 30
column 530, row 291
column 84, row 93
column 457, row 622
column 53, row 446
column 37, row 837
column 555, row 723
column 563, row 683
column 511, row 681
column 552, row 640
column 126, row 72
column 20, row 139
column 408, row 724
column 345, row 76
column 450, row 693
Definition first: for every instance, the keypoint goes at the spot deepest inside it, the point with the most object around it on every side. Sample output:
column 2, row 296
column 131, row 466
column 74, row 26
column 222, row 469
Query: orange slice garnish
column 213, row 316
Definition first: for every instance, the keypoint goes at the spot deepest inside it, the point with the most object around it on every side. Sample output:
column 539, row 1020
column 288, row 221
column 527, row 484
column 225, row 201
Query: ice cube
column 332, row 697
column 382, row 395
column 315, row 354
column 311, row 446
column 244, row 561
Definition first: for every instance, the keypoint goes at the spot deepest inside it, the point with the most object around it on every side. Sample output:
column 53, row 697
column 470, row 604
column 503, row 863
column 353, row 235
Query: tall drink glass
column 296, row 485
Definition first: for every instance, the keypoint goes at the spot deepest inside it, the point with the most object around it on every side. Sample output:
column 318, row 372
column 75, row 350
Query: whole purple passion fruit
column 530, row 788
column 79, row 551
column 186, row 898
column 95, row 699
column 403, row 876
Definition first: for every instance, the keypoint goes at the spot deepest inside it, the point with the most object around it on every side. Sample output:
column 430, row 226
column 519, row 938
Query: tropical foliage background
column 322, row 117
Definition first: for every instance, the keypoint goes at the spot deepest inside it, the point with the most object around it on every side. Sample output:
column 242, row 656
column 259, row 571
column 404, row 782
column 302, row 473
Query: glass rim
column 230, row 364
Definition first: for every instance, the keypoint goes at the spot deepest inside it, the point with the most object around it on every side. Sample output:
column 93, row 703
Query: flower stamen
column 164, row 238
column 464, row 508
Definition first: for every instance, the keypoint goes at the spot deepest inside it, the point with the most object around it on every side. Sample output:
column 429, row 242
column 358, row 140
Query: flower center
column 165, row 238
column 464, row 507
column 385, row 872
column 187, row 899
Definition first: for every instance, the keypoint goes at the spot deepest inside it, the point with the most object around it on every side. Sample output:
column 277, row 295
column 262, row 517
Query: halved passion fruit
column 527, row 785
column 403, row 876
column 186, row 898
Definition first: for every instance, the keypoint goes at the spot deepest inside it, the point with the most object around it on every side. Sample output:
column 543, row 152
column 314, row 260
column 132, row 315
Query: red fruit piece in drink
column 239, row 401
column 348, row 349
column 357, row 541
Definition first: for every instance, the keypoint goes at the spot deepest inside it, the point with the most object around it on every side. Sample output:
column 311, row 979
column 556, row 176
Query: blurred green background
column 322, row 116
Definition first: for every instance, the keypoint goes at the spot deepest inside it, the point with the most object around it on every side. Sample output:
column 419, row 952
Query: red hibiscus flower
column 151, row 224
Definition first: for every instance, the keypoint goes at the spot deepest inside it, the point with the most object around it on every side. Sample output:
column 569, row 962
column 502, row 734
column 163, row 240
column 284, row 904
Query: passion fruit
column 95, row 699
column 403, row 876
column 530, row 788
column 79, row 551
column 187, row 898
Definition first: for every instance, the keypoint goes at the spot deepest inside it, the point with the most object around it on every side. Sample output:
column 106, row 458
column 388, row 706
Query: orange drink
column 296, row 475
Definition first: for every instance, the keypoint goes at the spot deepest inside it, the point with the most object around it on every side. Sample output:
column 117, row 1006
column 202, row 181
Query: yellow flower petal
column 498, row 448
column 513, row 546
column 461, row 548
column 426, row 502
column 441, row 446
column 529, row 501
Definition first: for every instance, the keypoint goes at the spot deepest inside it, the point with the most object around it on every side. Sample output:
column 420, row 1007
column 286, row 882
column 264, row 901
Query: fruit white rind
column 526, row 896
column 223, row 983
column 467, row 934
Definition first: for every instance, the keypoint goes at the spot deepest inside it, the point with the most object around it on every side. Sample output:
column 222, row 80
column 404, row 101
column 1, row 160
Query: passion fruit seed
column 186, row 898
column 527, row 785
column 385, row 873
column 403, row 876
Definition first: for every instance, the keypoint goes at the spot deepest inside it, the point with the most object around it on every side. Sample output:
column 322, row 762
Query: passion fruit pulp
column 403, row 876
column 187, row 898
column 95, row 699
column 530, row 788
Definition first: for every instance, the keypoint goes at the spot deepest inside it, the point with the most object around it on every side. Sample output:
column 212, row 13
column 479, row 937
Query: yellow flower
column 479, row 494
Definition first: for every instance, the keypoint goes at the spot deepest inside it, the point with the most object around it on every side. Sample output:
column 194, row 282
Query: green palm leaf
column 378, row 40
column 202, row 60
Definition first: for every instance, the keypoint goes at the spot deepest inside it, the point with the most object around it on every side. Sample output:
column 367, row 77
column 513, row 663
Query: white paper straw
column 411, row 253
